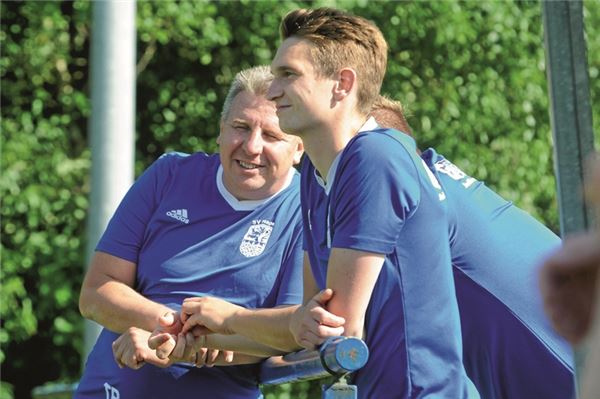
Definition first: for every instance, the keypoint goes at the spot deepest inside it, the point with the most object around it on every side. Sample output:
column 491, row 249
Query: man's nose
column 253, row 144
column 274, row 91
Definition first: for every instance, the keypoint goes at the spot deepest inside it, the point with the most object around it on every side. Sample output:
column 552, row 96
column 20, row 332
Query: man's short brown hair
column 390, row 114
column 342, row 40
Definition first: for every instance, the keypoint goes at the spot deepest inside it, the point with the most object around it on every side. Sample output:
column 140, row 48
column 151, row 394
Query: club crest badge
column 255, row 240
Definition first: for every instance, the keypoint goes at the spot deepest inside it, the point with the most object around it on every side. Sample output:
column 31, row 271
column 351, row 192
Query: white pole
column 112, row 123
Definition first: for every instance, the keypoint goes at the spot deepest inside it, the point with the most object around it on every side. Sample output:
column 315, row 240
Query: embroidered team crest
column 255, row 240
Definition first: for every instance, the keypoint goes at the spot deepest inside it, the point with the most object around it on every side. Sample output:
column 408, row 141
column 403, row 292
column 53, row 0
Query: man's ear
column 299, row 151
column 345, row 84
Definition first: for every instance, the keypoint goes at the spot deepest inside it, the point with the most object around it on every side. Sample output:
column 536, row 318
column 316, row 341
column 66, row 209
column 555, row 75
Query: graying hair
column 255, row 80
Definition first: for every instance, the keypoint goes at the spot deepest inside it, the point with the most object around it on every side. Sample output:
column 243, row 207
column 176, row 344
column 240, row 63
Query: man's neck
column 323, row 146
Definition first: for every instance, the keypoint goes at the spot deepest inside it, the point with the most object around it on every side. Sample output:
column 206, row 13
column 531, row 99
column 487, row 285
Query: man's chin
column 254, row 190
column 288, row 128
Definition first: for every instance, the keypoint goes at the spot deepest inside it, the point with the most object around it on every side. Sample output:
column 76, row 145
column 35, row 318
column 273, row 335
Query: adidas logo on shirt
column 179, row 214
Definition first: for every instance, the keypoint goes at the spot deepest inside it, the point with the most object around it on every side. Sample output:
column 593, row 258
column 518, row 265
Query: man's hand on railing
column 131, row 350
column 312, row 324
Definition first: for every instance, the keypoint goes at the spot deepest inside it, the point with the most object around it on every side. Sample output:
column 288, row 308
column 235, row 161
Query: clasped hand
column 166, row 345
column 171, row 341
column 182, row 337
column 312, row 324
column 206, row 315
column 132, row 350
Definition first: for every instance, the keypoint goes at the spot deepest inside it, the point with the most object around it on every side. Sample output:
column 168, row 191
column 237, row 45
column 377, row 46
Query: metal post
column 112, row 123
column 570, row 115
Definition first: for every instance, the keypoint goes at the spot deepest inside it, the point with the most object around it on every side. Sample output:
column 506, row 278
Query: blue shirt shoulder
column 189, row 237
column 383, row 200
column 510, row 349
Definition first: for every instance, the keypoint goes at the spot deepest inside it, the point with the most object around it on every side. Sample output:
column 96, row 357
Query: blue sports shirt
column 381, row 198
column 510, row 349
column 190, row 237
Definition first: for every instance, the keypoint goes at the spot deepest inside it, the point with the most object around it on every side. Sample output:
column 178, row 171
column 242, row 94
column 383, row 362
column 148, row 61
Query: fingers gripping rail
column 336, row 356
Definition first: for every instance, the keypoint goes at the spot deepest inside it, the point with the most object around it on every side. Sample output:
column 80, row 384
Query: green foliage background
column 471, row 75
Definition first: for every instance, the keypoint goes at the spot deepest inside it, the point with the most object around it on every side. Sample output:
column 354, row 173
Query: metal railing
column 337, row 357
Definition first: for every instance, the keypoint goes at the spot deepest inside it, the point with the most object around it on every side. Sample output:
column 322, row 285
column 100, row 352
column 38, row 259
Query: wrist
column 233, row 323
column 295, row 318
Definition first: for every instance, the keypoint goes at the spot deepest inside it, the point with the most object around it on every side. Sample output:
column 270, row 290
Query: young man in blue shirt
column 509, row 347
column 374, row 219
column 375, row 229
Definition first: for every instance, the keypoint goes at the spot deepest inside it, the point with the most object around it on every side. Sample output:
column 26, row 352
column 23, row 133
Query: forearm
column 221, row 343
column 268, row 327
column 355, row 319
column 352, row 276
column 108, row 297
column 117, row 307
column 240, row 344
column 271, row 326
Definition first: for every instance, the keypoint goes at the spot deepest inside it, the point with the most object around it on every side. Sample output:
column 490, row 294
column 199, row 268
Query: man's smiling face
column 255, row 154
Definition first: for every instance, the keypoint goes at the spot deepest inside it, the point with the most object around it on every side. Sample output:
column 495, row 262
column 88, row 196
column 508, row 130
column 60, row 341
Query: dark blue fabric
column 187, row 240
column 383, row 200
column 510, row 349
column 104, row 379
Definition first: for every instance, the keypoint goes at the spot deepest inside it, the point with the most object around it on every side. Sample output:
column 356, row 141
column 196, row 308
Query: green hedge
column 471, row 74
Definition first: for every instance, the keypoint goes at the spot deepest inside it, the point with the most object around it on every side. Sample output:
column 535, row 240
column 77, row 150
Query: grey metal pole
column 570, row 115
column 336, row 356
column 112, row 123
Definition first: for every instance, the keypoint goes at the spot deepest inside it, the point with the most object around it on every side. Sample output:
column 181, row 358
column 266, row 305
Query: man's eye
column 285, row 73
column 271, row 136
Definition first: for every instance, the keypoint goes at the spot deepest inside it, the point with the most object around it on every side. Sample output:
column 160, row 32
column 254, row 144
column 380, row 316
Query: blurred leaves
column 471, row 75
column 43, row 186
